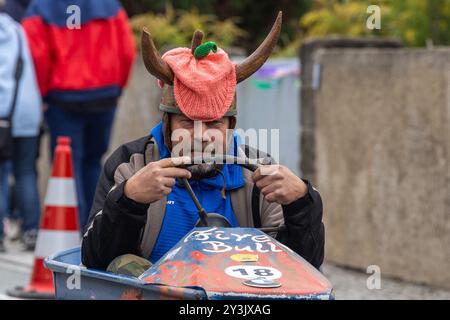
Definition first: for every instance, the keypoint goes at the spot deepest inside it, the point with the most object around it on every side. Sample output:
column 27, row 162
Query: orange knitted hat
column 204, row 87
column 204, row 82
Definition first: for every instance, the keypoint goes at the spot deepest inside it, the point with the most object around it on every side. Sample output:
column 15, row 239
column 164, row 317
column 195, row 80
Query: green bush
column 413, row 21
column 174, row 28
column 228, row 30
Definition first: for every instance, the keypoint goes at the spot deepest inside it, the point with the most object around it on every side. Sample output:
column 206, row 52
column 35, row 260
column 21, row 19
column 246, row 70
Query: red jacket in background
column 80, row 68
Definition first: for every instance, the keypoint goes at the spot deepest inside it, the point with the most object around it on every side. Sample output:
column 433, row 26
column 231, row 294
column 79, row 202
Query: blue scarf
column 181, row 214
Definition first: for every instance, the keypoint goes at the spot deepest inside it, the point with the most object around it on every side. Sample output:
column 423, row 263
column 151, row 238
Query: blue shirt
column 181, row 214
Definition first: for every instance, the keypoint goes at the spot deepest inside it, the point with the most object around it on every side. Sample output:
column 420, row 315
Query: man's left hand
column 279, row 184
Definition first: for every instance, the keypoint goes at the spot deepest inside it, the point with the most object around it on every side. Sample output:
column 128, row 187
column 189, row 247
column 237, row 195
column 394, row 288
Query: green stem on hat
column 204, row 49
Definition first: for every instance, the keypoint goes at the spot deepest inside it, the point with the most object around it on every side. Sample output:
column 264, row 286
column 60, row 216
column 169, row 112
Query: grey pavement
column 15, row 268
column 352, row 284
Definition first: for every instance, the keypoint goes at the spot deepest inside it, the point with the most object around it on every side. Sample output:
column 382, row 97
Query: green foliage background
column 413, row 21
column 244, row 23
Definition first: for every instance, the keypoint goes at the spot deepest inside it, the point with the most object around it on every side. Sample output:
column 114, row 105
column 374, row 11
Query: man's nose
column 201, row 132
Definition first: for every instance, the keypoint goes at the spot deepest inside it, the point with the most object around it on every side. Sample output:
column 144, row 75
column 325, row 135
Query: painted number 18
column 257, row 272
column 251, row 272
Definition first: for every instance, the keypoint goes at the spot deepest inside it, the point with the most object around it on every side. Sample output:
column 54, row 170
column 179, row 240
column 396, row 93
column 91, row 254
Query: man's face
column 198, row 138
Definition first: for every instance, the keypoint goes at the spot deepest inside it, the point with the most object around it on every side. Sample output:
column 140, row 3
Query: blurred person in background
column 13, row 224
column 81, row 71
column 26, row 120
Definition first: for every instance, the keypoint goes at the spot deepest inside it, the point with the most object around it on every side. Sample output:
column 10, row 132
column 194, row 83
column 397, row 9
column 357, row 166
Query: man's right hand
column 156, row 180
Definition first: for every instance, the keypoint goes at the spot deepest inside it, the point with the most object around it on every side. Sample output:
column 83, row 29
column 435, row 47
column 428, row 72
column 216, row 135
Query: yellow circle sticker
column 242, row 257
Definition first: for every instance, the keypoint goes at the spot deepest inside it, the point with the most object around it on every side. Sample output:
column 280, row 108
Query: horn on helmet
column 153, row 61
column 196, row 40
column 255, row 61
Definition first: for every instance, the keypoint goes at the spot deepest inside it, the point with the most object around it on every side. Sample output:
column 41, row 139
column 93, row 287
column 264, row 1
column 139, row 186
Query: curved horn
column 153, row 61
column 250, row 65
column 196, row 40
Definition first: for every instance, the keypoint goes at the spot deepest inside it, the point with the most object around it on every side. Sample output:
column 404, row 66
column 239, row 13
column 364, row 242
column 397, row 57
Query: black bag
column 6, row 139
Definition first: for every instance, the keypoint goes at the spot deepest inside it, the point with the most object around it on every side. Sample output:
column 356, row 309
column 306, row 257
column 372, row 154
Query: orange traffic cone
column 59, row 228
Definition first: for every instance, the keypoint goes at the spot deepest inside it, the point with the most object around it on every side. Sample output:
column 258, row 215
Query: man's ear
column 232, row 122
column 167, row 131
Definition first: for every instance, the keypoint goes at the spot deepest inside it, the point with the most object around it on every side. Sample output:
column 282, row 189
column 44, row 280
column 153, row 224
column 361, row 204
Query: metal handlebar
column 215, row 219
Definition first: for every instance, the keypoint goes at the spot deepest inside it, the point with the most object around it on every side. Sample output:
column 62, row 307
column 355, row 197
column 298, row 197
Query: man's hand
column 155, row 180
column 279, row 184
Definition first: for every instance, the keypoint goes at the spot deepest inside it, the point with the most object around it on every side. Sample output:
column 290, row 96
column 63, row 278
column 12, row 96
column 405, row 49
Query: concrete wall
column 381, row 133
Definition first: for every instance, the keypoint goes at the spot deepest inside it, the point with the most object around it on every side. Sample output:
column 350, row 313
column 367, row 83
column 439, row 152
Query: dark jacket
column 118, row 225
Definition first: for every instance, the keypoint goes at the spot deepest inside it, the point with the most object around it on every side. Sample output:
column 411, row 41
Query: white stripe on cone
column 52, row 241
column 61, row 193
